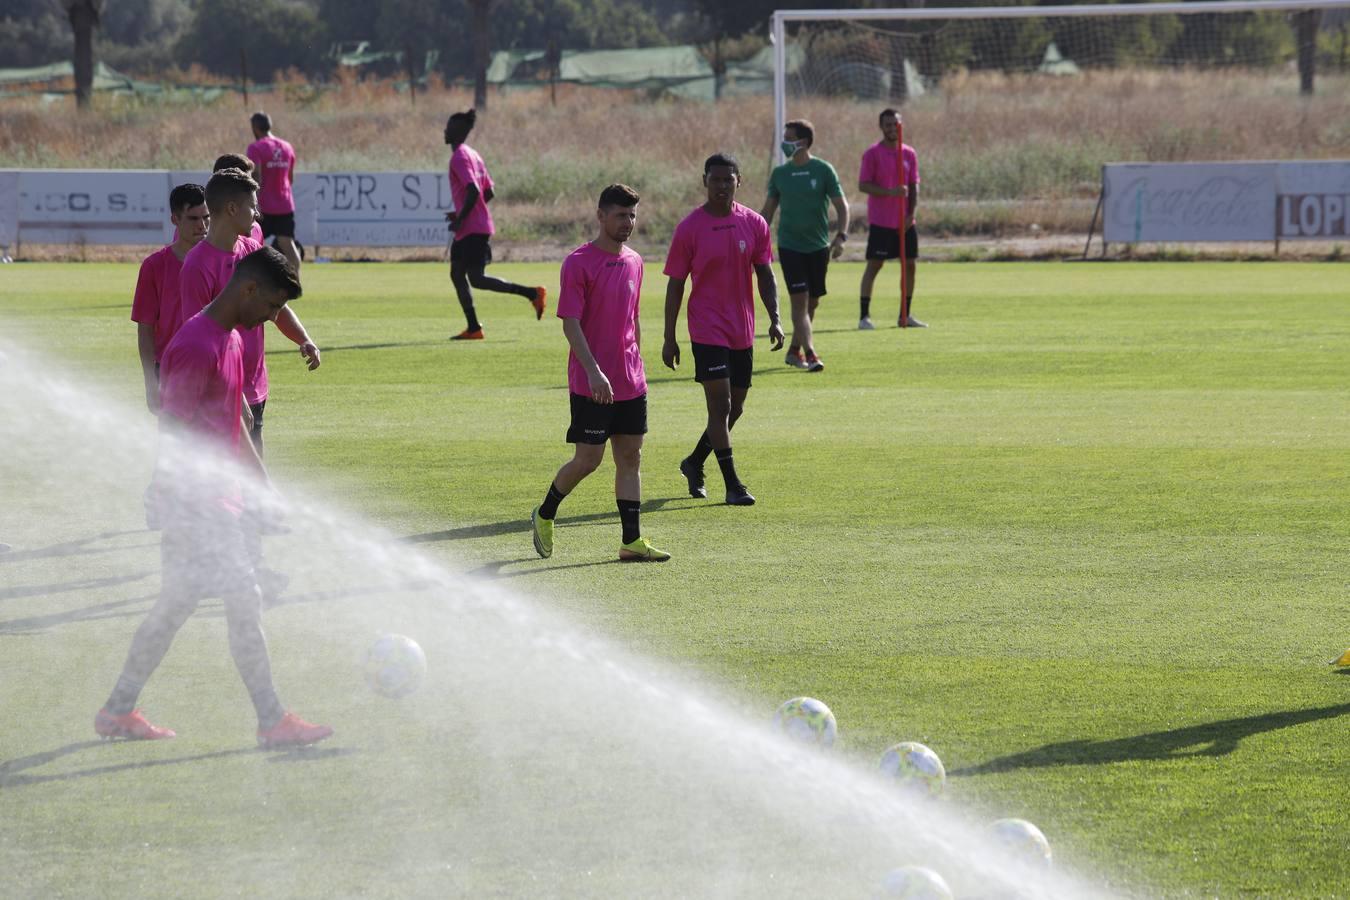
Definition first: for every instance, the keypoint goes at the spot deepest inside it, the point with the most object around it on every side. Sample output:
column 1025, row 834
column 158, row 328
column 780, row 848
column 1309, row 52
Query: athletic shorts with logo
column 712, row 362
column 595, row 423
column 805, row 272
column 884, row 243
column 472, row 250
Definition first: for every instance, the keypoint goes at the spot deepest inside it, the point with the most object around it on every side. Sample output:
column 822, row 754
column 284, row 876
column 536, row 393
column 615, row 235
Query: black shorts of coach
column 472, row 250
column 884, row 243
column 595, row 423
column 804, row 273
column 278, row 225
column 712, row 362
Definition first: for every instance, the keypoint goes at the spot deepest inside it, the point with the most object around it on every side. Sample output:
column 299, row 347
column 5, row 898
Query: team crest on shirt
column 632, row 286
column 813, row 184
column 742, row 243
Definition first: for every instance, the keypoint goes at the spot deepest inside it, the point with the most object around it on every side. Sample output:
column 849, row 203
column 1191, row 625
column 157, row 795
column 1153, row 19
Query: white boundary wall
column 1241, row 201
column 112, row 206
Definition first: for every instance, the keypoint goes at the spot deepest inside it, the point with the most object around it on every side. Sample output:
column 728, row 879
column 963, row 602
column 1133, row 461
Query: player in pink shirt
column 721, row 244
column 274, row 168
column 245, row 165
column 471, row 190
column 879, row 179
column 154, row 308
column 601, row 286
column 231, row 199
column 203, row 546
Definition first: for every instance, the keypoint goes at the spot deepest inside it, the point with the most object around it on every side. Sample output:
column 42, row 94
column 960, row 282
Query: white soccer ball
column 915, row 883
column 1022, row 841
column 395, row 665
column 808, row 720
column 915, row 767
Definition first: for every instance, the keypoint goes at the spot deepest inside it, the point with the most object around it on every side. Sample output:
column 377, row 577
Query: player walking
column 720, row 244
column 154, row 308
column 805, row 187
column 879, row 179
column 601, row 284
column 202, row 547
column 231, row 198
column 471, row 190
column 274, row 167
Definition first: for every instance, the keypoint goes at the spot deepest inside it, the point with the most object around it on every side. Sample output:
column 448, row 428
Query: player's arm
column 145, row 345
column 471, row 199
column 288, row 323
column 768, row 295
column 601, row 391
column 670, row 349
column 876, row 190
column 911, row 204
column 840, row 203
column 770, row 207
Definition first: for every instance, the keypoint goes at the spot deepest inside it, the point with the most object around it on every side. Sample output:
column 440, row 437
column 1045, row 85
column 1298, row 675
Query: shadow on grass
column 84, row 584
column 388, row 346
column 1211, row 739
column 522, row 526
column 493, row 570
column 10, row 776
column 70, row 548
column 113, row 609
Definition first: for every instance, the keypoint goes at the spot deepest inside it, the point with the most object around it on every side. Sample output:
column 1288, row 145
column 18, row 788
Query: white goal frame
column 780, row 18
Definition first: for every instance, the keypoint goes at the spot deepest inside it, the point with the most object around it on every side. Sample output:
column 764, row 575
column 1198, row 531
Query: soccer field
column 1086, row 537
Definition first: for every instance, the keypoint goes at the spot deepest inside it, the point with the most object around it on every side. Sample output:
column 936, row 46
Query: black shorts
column 472, row 250
column 595, row 423
column 712, row 362
column 278, row 225
column 804, row 272
column 884, row 243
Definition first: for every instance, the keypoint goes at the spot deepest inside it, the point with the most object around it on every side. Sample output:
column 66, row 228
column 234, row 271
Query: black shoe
column 739, row 496
column 695, row 476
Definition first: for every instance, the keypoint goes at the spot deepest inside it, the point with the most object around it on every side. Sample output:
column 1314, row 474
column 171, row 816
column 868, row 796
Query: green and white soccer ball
column 915, row 767
column 808, row 720
column 1022, row 841
column 395, row 665
column 915, row 883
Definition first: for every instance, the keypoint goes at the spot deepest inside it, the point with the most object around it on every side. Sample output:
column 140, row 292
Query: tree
column 480, row 51
column 84, row 16
column 277, row 35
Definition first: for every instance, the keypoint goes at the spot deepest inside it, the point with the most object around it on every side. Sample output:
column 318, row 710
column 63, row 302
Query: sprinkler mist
column 534, row 757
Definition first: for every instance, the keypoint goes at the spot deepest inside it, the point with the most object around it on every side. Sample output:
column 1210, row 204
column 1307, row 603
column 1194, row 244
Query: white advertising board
column 381, row 209
column 1188, row 202
column 68, row 206
column 9, row 207
column 1312, row 200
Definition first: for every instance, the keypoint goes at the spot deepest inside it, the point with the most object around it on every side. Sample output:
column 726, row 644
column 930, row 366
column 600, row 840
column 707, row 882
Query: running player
column 231, row 198
column 202, row 546
column 274, row 166
column 879, row 179
column 154, row 307
column 471, row 190
column 720, row 244
column 601, row 284
column 245, row 165
column 805, row 187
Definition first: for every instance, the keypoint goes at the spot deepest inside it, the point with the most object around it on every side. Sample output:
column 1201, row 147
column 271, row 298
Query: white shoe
column 865, row 324
column 915, row 323
column 795, row 360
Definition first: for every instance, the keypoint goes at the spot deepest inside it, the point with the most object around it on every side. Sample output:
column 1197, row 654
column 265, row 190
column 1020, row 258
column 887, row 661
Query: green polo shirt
column 803, row 194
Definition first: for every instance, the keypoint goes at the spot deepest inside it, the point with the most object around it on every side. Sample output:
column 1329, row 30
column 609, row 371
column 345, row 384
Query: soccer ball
column 915, row 767
column 1022, row 841
column 395, row 665
column 915, row 883
column 808, row 720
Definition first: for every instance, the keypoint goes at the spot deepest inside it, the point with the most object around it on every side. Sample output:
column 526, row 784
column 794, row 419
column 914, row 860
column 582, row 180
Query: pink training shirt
column 879, row 167
column 255, row 233
column 721, row 254
column 274, row 168
column 156, row 300
column 466, row 168
column 201, row 380
column 206, row 271
column 601, row 290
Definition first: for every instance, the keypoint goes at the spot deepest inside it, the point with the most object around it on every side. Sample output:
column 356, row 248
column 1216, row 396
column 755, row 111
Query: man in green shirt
column 805, row 187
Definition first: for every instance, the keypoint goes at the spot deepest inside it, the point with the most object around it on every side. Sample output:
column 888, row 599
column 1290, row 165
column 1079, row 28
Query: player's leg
column 588, row 432
column 817, row 265
column 911, row 269
column 481, row 252
column 286, row 244
column 628, row 497
column 801, row 330
column 869, row 278
column 459, row 277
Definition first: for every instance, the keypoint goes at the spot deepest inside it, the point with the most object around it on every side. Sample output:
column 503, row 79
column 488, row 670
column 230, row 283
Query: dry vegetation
column 997, row 153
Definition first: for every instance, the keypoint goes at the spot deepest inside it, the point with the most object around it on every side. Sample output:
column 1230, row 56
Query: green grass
column 1086, row 537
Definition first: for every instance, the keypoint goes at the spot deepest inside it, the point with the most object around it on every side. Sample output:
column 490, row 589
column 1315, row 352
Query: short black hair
column 233, row 161
column 467, row 118
column 271, row 268
column 186, row 196
column 888, row 112
column 805, row 130
column 721, row 159
column 262, row 120
column 227, row 185
column 619, row 195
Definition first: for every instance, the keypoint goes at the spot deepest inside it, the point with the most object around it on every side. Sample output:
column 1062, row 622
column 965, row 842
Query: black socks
column 549, row 508
column 728, row 467
column 628, row 514
column 865, row 304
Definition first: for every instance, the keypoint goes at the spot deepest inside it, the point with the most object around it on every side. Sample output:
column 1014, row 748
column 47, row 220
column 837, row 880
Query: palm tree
column 480, row 52
column 84, row 17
